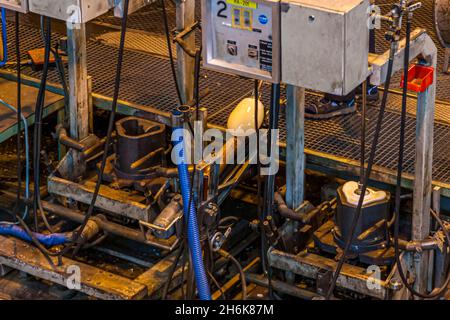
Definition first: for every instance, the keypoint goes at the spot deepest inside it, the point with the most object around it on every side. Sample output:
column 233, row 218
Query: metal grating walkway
column 146, row 81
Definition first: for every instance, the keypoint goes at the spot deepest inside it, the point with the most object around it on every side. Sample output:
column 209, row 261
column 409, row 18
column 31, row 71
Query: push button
column 232, row 49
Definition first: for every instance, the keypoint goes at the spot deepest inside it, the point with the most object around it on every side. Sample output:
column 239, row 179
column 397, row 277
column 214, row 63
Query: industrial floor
column 146, row 81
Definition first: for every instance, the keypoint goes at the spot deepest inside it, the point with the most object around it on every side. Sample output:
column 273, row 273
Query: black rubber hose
column 62, row 77
column 258, row 171
column 269, row 191
column 172, row 271
column 38, row 125
column 198, row 60
column 217, row 284
column 437, row 292
column 367, row 173
column 19, row 112
column 227, row 255
column 169, row 48
column 111, row 122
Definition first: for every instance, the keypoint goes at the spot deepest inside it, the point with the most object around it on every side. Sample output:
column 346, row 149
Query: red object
column 419, row 78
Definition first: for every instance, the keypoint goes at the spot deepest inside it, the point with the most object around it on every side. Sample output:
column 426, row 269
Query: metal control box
column 325, row 44
column 15, row 5
column 75, row 11
column 133, row 6
column 242, row 37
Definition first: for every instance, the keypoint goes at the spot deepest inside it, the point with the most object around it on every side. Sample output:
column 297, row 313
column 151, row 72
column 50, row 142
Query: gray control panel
column 242, row 37
column 71, row 11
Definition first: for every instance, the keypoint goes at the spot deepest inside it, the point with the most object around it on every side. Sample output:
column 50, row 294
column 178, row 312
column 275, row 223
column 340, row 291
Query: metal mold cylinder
column 369, row 223
column 140, row 145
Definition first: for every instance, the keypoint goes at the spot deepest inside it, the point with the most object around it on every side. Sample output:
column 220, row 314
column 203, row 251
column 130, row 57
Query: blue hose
column 49, row 240
column 192, row 224
column 4, row 39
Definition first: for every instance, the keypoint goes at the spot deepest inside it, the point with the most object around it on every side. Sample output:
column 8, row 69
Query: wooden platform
column 8, row 93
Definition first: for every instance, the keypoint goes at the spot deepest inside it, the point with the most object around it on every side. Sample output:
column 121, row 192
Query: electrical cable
column 172, row 272
column 258, row 169
column 217, row 284
column 231, row 220
column 38, row 125
column 270, row 179
column 367, row 172
column 198, row 59
column 169, row 48
column 110, row 127
column 62, row 77
column 263, row 240
column 437, row 292
column 58, row 63
column 44, row 217
column 19, row 119
column 183, row 267
column 227, row 255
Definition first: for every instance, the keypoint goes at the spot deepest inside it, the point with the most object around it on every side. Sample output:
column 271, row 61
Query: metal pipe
column 105, row 225
column 305, row 218
column 65, row 139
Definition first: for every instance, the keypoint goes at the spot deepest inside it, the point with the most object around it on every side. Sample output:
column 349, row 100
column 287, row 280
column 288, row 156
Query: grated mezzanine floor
column 146, row 81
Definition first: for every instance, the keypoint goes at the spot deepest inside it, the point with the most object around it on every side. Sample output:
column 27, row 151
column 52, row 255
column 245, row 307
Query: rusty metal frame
column 310, row 265
column 19, row 255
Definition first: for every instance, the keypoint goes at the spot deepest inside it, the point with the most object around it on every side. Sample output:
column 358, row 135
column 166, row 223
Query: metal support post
column 79, row 97
column 295, row 155
column 78, row 81
column 185, row 16
column 423, row 178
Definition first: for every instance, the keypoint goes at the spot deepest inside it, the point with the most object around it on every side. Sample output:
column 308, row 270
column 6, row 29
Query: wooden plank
column 95, row 282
